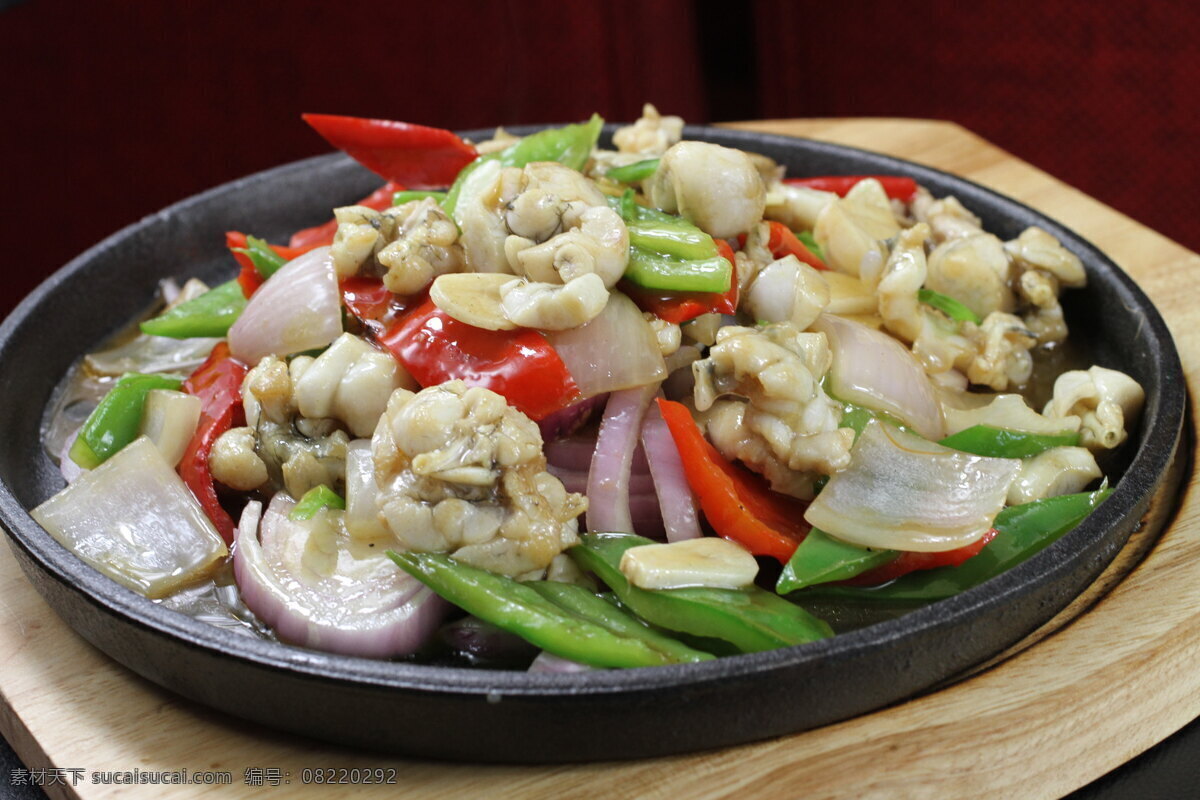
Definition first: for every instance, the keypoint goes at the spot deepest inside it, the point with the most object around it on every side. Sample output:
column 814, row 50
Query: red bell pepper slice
column 414, row 155
column 370, row 301
column 782, row 242
column 909, row 561
column 683, row 306
column 896, row 187
column 736, row 502
column 322, row 234
column 218, row 383
column 520, row 365
column 248, row 278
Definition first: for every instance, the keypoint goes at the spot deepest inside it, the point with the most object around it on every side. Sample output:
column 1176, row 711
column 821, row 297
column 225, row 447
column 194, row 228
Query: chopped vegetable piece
column 783, row 242
column 133, row 520
column 1021, row 531
column 736, row 502
column 314, row 500
column 258, row 259
column 948, row 306
column 210, row 314
column 520, row 365
column 909, row 561
column 218, row 383
column 519, row 609
column 413, row 155
column 683, row 306
column 169, row 419
column 402, row 197
column 750, row 619
column 583, row 603
column 632, row 173
column 985, row 440
column 896, row 187
column 822, row 558
column 116, row 421
column 808, row 240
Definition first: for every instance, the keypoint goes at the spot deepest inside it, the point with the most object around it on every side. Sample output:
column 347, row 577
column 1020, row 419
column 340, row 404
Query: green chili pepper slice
column 314, row 500
column 1022, row 531
column 407, row 196
column 583, row 603
column 632, row 173
column 822, row 558
column 750, row 619
column 117, row 420
column 810, row 241
column 948, row 306
column 266, row 261
column 210, row 314
column 985, row 440
column 520, row 609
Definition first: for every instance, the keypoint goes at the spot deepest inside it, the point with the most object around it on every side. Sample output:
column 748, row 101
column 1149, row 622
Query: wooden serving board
column 1089, row 694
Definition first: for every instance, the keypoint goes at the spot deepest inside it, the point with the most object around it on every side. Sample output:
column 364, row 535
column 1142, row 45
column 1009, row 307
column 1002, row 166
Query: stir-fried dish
column 543, row 405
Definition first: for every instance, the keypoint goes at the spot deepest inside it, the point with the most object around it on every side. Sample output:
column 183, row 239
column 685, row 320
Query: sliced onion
column 876, row 371
column 133, row 519
column 566, row 421
column 573, row 454
column 574, row 480
column 317, row 589
column 902, row 492
column 616, row 350
column 675, row 500
column 297, row 309
column 612, row 463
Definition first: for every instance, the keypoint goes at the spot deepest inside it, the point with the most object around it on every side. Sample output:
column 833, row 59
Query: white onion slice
column 548, row 662
column 902, row 492
column 877, row 372
column 298, row 308
column 612, row 463
column 317, row 589
column 133, row 519
column 676, row 503
column 616, row 350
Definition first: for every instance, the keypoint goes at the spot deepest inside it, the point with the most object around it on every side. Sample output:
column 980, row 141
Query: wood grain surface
column 1044, row 720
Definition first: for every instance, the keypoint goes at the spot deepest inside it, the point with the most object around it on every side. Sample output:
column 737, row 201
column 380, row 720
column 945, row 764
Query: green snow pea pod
column 520, row 609
column 117, row 420
column 751, row 619
column 210, row 314
column 985, row 440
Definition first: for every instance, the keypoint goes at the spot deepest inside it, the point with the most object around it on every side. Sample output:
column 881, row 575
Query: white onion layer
column 612, row 463
column 675, row 499
column 902, row 492
column 877, row 372
column 317, row 589
column 616, row 350
column 297, row 309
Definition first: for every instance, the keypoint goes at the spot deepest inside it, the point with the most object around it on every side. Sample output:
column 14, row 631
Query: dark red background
column 115, row 109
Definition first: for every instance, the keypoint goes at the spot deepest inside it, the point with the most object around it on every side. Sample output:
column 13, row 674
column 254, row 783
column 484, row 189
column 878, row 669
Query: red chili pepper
column 417, row 156
column 520, row 365
column 736, row 502
column 682, row 306
column 323, row 234
column 782, row 242
column 217, row 382
column 909, row 561
column 896, row 187
column 248, row 278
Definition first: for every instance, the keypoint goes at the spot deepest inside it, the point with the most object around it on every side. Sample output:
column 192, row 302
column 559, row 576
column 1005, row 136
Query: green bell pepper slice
column 116, row 421
column 314, row 500
column 632, row 173
column 1022, row 531
column 985, row 440
column 750, row 619
column 952, row 308
column 594, row 608
column 667, row 252
column 266, row 261
column 407, row 196
column 522, row 610
column 210, row 314
column 808, row 240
